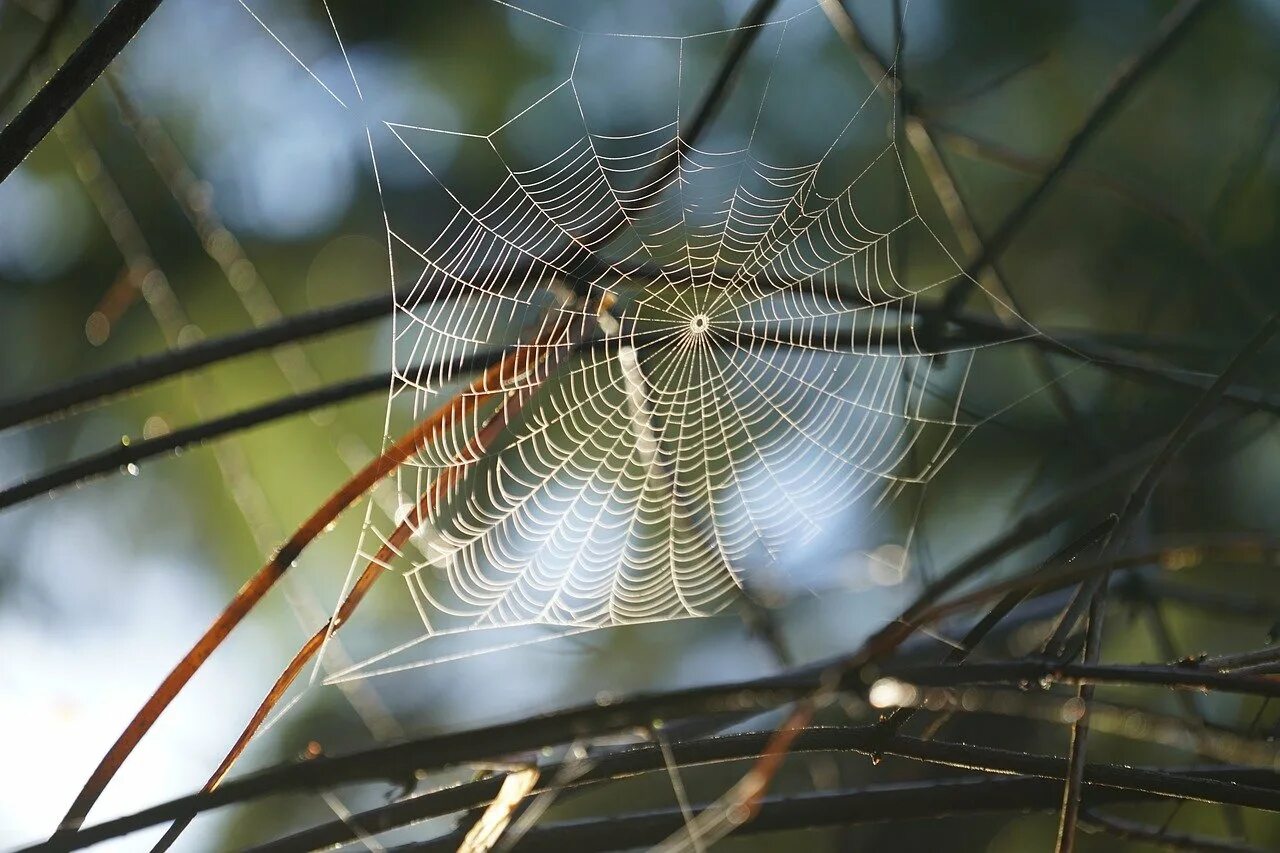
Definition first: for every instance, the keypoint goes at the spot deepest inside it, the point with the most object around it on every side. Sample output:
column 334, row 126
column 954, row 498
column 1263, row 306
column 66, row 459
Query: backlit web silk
column 723, row 356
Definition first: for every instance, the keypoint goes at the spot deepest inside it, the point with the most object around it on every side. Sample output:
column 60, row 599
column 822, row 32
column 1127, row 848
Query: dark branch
column 928, row 800
column 117, row 458
column 113, row 460
column 1015, row 672
column 71, row 81
column 1252, row 787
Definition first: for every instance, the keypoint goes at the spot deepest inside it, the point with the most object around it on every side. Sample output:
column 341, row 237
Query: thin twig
column 1168, row 34
column 117, row 459
column 894, row 720
column 941, row 178
column 1192, row 232
column 98, row 387
column 122, row 456
column 1094, row 590
column 105, row 384
column 1035, row 671
column 1161, row 838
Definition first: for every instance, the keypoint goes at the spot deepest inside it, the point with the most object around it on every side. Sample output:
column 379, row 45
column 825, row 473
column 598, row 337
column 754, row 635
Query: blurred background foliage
column 1161, row 239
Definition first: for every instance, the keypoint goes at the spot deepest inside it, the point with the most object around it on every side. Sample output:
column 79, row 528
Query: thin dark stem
column 908, row 119
column 120, row 457
column 1073, row 791
column 1195, row 235
column 1044, row 671
column 1171, row 30
column 113, row 460
column 71, row 81
column 743, row 37
column 100, row 386
column 1094, row 590
column 1190, row 423
column 895, row 719
column 1161, row 838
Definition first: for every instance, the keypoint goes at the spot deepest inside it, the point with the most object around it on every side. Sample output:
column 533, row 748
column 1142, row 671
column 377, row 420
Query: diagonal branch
column 1093, row 591
column 430, row 499
column 119, row 457
column 485, row 387
column 84, row 66
column 1169, row 33
column 100, row 386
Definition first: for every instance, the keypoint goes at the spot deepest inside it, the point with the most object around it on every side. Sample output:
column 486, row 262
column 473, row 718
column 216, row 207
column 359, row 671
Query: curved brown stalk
column 481, row 389
column 473, row 451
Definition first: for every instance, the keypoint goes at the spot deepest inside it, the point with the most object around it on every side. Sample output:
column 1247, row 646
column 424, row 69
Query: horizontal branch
column 117, row 458
column 104, row 385
column 1195, row 783
column 927, row 800
column 1032, row 670
column 1245, row 786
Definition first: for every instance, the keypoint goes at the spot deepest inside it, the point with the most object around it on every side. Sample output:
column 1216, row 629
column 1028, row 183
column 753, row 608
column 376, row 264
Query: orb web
column 724, row 352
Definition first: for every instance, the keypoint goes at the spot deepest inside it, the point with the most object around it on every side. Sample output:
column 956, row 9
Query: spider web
column 724, row 356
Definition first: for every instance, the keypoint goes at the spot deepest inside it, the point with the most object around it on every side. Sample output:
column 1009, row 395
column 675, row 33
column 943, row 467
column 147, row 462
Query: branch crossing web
column 715, row 316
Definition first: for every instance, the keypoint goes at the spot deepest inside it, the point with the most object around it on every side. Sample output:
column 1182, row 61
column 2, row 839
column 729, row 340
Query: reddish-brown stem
column 481, row 389
column 473, row 451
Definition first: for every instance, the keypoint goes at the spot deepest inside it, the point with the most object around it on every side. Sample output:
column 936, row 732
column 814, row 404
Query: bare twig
column 96, row 387
column 124, row 455
column 1043, row 671
column 1161, row 838
column 921, row 138
column 1094, row 590
column 894, row 720
column 1169, row 33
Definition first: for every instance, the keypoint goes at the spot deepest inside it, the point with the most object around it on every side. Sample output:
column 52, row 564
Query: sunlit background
column 1161, row 240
